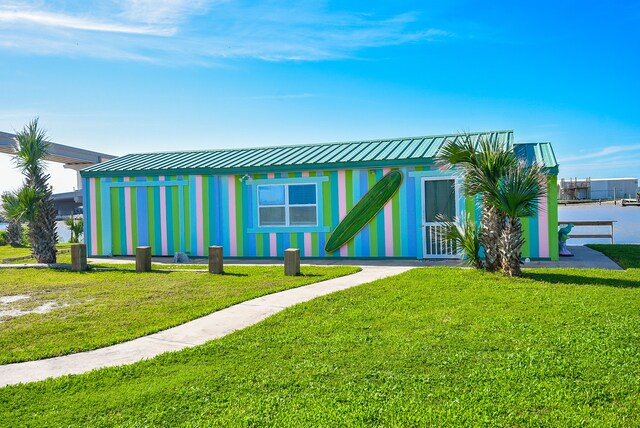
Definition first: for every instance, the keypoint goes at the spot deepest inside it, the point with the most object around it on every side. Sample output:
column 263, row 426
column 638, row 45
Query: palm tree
column 466, row 238
column 482, row 166
column 516, row 195
column 76, row 226
column 33, row 201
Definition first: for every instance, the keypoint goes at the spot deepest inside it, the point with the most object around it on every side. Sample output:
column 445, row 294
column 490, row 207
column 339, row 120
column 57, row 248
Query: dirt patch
column 8, row 312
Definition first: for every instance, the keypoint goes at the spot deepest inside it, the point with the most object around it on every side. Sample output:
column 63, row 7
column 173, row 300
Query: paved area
column 584, row 258
column 190, row 334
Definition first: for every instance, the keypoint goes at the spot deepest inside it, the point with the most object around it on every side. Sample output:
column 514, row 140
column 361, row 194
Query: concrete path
column 584, row 258
column 193, row 333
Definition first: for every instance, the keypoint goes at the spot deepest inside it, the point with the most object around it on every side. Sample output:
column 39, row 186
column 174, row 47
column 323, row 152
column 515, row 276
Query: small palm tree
column 481, row 166
column 33, row 201
column 516, row 195
column 76, row 226
column 466, row 238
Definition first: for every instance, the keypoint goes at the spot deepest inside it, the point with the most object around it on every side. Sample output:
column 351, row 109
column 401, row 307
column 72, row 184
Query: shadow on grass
column 578, row 279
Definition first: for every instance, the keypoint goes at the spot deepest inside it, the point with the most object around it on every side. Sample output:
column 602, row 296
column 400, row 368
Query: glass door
column 439, row 198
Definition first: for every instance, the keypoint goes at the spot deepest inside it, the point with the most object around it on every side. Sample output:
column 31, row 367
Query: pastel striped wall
column 190, row 213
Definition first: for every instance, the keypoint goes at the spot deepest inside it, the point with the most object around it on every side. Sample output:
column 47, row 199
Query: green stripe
column 526, row 234
column 187, row 218
column 552, row 209
column 326, row 210
column 373, row 224
column 176, row 217
column 98, row 210
column 314, row 243
column 151, row 219
column 134, row 218
column 259, row 245
column 395, row 209
column 348, row 185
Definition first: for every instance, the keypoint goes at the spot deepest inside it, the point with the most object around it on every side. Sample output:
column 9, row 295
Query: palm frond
column 22, row 204
column 465, row 236
column 519, row 191
column 31, row 148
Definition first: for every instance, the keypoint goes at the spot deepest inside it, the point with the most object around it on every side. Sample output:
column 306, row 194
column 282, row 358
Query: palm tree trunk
column 492, row 226
column 511, row 242
column 14, row 233
column 43, row 236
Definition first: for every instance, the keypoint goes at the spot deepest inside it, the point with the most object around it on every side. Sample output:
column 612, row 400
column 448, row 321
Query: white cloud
column 78, row 23
column 203, row 32
column 610, row 150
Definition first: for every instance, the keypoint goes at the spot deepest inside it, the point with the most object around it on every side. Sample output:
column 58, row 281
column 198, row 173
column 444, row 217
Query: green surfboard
column 364, row 211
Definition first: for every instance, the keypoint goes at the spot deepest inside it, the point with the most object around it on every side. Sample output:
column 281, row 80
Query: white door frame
column 425, row 225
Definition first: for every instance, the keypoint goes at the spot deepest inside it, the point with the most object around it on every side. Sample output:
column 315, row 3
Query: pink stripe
column 342, row 205
column 543, row 227
column 305, row 173
column 388, row 225
column 94, row 217
column 307, row 244
column 231, row 180
column 271, row 175
column 163, row 218
column 199, row 217
column 273, row 245
column 127, row 218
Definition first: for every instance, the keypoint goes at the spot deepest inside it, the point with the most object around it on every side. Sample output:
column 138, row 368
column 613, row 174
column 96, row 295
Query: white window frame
column 286, row 205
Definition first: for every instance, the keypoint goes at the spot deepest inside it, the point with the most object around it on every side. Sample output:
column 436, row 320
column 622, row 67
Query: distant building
column 597, row 188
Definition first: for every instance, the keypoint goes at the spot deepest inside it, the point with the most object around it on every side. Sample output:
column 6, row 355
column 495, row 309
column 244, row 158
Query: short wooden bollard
column 78, row 257
column 143, row 259
column 292, row 261
column 216, row 263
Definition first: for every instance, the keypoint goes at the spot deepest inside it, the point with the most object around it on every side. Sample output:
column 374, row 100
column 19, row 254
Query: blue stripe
column 143, row 214
column 86, row 228
column 534, row 242
column 105, row 195
column 414, row 222
column 192, row 215
column 170, row 219
column 280, row 244
column 404, row 226
column 123, row 227
column 249, row 220
column 357, row 241
column 215, row 215
column 157, row 233
column 286, row 241
column 364, row 187
column 224, row 210
column 181, row 215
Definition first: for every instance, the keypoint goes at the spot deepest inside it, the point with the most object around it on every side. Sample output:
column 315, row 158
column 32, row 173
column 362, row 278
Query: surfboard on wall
column 364, row 211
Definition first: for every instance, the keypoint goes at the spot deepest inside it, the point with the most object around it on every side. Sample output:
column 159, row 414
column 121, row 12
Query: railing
column 600, row 223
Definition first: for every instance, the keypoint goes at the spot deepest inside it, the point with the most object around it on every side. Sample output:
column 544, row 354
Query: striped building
column 258, row 202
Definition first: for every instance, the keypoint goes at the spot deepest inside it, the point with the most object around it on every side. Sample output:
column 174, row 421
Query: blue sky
column 146, row 75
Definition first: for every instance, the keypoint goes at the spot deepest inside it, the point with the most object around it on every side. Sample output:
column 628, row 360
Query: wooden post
column 292, row 261
column 78, row 257
column 216, row 264
column 143, row 259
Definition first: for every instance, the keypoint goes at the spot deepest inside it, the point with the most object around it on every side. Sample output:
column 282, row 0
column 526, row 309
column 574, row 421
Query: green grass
column 625, row 255
column 8, row 252
column 432, row 347
column 96, row 309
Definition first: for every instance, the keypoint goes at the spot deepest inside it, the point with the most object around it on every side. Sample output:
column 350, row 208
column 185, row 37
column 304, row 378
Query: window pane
column 302, row 216
column 271, row 195
column 302, row 194
column 271, row 216
column 439, row 199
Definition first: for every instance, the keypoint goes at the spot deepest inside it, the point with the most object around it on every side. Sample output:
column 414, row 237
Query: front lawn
column 625, row 255
column 9, row 252
column 431, row 347
column 94, row 309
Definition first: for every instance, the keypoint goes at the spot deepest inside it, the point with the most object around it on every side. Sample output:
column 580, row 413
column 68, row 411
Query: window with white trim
column 282, row 205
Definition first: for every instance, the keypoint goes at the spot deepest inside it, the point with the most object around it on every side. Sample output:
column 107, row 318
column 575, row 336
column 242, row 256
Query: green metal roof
column 363, row 154
column 537, row 152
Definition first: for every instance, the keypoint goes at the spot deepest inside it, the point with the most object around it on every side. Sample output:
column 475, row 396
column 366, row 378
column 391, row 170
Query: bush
column 3, row 238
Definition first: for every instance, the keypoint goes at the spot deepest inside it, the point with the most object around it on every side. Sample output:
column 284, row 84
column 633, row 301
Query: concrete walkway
column 583, row 258
column 193, row 333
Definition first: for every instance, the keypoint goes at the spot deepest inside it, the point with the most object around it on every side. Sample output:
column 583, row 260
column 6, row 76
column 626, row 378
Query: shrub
column 3, row 238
